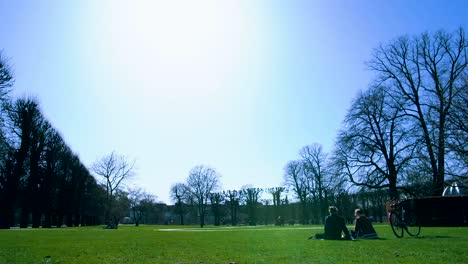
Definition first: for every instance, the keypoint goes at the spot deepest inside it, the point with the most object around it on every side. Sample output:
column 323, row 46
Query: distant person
column 363, row 227
column 279, row 221
column 335, row 227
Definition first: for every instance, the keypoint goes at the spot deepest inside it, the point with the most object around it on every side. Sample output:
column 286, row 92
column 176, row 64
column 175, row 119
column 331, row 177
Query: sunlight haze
column 239, row 86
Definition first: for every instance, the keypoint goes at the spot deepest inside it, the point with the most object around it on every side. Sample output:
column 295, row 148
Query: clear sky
column 239, row 86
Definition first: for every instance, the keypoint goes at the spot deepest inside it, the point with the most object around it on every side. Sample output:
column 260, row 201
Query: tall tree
column 113, row 170
column 276, row 195
column 233, row 198
column 22, row 115
column 216, row 200
column 40, row 130
column 202, row 180
column 6, row 153
column 457, row 134
column 140, row 204
column 426, row 71
column 374, row 146
column 314, row 165
column 251, row 197
column 54, row 151
column 179, row 192
column 296, row 180
column 6, row 78
column 135, row 196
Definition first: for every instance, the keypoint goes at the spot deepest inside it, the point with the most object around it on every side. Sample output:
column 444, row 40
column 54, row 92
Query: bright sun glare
column 172, row 49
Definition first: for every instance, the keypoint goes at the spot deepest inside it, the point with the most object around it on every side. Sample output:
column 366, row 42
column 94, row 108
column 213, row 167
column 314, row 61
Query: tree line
column 42, row 181
column 405, row 134
column 310, row 186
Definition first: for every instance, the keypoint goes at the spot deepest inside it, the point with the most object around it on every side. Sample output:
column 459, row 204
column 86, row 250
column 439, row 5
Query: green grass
column 150, row 244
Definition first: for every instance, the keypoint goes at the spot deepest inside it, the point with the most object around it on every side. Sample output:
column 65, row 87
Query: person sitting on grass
column 363, row 227
column 334, row 227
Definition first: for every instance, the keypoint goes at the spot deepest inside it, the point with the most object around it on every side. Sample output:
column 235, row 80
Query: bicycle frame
column 402, row 219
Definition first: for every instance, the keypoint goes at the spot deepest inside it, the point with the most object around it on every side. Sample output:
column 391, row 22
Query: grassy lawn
column 268, row 244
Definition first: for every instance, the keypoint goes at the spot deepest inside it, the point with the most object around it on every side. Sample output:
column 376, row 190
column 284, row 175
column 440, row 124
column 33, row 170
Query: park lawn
column 263, row 244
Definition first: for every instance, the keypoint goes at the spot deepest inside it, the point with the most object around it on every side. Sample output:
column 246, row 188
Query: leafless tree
column 6, row 82
column 6, row 78
column 113, row 170
column 314, row 165
column 426, row 71
column 250, row 196
column 139, row 200
column 457, row 135
column 217, row 208
column 179, row 192
column 202, row 181
column 233, row 198
column 276, row 195
column 375, row 146
column 296, row 180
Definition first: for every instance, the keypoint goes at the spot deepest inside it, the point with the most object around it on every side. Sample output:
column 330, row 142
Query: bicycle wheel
column 396, row 224
column 413, row 226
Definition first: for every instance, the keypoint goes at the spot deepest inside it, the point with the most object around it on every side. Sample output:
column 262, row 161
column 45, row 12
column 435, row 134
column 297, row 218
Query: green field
column 265, row 244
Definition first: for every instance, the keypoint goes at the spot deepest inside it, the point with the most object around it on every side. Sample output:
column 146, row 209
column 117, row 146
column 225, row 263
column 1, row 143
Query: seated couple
column 335, row 226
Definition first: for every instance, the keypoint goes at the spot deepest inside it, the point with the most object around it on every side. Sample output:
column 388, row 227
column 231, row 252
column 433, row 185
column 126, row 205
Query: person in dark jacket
column 335, row 227
column 363, row 227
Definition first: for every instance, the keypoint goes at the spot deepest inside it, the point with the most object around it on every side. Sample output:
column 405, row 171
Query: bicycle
column 403, row 219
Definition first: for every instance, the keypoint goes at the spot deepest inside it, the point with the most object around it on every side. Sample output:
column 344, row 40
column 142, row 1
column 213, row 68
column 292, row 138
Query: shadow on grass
column 347, row 240
column 434, row 237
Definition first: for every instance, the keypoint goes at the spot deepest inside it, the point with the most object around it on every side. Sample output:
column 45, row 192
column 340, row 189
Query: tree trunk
column 69, row 221
column 181, row 218
column 202, row 220
column 304, row 212
column 77, row 219
column 24, row 220
column 83, row 220
column 36, row 218
column 7, row 216
column 47, row 220
column 440, row 176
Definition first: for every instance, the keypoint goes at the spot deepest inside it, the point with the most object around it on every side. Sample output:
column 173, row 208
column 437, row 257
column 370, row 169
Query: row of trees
column 200, row 198
column 40, row 176
column 405, row 134
column 44, row 183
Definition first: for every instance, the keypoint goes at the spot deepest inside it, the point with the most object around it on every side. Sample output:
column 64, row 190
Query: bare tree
column 374, row 146
column 6, row 78
column 216, row 200
column 6, row 82
column 296, row 180
column 233, row 198
column 314, row 165
column 6, row 159
column 426, row 71
column 179, row 192
column 202, row 180
column 113, row 170
column 251, row 197
column 276, row 195
column 457, row 135
column 139, row 203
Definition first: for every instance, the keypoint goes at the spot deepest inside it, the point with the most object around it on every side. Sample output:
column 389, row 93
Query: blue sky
column 239, row 86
